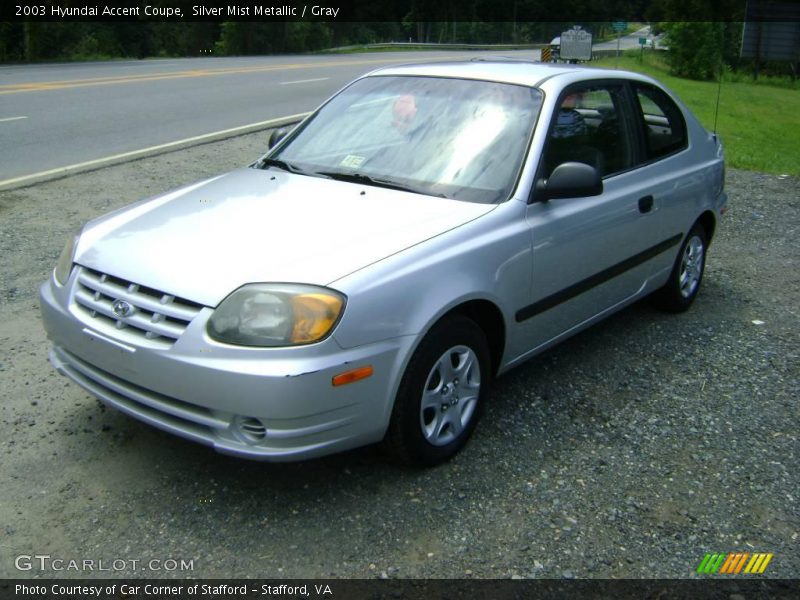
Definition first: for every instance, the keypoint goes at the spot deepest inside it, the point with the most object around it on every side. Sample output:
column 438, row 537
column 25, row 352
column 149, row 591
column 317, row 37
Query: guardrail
column 434, row 46
column 475, row 47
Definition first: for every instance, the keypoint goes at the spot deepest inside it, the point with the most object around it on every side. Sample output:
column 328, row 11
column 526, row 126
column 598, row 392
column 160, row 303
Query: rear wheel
column 441, row 394
column 687, row 273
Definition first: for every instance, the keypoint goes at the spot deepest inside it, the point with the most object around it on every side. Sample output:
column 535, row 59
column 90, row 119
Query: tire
column 441, row 395
column 687, row 273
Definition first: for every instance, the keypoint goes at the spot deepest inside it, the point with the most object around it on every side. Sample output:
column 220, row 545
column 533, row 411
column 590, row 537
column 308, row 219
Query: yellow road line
column 17, row 88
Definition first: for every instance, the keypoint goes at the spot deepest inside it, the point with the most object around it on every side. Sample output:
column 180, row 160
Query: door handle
column 646, row 204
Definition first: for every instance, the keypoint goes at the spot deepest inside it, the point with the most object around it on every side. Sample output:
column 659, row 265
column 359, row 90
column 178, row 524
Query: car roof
column 521, row 72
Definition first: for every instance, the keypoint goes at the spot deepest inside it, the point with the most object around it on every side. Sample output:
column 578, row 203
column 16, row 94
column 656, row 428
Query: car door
column 676, row 182
column 592, row 253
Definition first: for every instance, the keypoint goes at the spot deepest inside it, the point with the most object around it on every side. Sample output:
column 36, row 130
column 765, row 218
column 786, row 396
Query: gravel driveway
column 631, row 450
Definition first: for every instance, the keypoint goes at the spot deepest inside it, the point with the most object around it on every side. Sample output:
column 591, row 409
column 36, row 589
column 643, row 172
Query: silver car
column 425, row 230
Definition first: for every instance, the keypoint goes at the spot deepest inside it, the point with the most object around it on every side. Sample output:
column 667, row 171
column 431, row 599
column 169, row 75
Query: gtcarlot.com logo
column 46, row 562
column 735, row 563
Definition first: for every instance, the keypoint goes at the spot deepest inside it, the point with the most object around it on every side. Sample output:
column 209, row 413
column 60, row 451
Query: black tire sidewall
column 670, row 298
column 405, row 430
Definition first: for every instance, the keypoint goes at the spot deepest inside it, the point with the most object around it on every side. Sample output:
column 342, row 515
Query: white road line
column 304, row 81
column 12, row 119
column 105, row 161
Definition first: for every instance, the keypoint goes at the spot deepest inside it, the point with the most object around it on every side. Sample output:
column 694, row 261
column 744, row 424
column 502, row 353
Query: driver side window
column 588, row 127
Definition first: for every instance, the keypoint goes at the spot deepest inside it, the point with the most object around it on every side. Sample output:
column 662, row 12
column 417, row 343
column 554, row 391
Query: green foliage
column 718, row 11
column 698, row 48
column 182, row 39
column 695, row 49
column 302, row 36
column 12, row 45
column 248, row 38
column 243, row 37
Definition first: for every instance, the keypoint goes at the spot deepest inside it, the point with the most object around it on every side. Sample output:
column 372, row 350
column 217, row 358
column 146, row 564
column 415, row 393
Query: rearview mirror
column 569, row 180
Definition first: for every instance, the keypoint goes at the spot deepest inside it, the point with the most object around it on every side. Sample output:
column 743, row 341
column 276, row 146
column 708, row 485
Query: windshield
column 454, row 138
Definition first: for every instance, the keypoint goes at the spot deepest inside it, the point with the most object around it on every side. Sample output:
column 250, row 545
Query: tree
column 695, row 49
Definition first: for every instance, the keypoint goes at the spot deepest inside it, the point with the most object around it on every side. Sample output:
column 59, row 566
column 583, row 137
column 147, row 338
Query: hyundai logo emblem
column 122, row 309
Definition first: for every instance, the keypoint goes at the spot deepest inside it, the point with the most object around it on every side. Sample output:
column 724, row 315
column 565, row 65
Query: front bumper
column 275, row 404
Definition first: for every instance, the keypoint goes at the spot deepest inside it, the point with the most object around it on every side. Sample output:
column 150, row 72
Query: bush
column 695, row 49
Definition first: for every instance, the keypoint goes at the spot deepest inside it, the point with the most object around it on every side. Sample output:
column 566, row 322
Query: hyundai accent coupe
column 428, row 228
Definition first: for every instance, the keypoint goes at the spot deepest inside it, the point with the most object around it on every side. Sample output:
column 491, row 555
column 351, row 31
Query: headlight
column 276, row 314
column 64, row 264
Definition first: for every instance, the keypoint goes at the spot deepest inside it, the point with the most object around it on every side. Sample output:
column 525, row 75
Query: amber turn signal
column 352, row 376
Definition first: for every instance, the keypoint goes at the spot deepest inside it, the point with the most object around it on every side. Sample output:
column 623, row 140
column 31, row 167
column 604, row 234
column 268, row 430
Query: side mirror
column 569, row 180
column 277, row 135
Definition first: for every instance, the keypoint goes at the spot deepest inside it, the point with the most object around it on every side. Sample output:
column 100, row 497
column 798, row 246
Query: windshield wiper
column 367, row 180
column 281, row 164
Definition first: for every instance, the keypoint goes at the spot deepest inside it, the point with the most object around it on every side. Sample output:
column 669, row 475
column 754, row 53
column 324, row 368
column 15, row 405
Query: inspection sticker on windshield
column 352, row 161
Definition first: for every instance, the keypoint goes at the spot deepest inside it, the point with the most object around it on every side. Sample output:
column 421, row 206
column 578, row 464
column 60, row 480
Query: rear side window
column 664, row 126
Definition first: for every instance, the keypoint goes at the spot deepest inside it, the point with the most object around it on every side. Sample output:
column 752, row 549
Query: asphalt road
column 56, row 115
column 626, row 42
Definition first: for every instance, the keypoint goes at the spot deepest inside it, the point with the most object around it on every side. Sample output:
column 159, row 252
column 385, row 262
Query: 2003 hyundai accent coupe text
column 425, row 230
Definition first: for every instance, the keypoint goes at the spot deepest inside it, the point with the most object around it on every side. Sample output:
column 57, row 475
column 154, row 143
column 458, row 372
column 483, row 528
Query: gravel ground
column 631, row 450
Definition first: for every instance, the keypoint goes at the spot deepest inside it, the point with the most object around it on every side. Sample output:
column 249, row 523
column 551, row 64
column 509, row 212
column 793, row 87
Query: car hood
column 203, row 241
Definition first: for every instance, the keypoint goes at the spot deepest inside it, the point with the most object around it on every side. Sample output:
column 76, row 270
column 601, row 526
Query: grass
column 759, row 123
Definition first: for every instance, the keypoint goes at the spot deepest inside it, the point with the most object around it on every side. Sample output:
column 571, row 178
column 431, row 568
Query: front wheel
column 684, row 281
column 441, row 394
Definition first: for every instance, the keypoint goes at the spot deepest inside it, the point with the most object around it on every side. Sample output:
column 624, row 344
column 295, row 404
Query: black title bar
column 453, row 589
column 369, row 10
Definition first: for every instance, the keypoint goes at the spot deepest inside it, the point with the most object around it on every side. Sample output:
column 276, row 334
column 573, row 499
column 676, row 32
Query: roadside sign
column 642, row 41
column 576, row 44
column 619, row 26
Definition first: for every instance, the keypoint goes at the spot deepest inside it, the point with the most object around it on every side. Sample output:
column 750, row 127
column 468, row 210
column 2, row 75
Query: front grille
column 153, row 316
column 182, row 418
